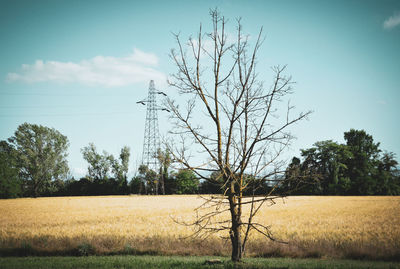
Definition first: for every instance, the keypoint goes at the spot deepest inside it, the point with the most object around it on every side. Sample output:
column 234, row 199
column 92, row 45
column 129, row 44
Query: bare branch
column 240, row 138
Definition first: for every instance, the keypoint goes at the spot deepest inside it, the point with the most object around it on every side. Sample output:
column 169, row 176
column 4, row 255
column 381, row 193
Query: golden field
column 352, row 227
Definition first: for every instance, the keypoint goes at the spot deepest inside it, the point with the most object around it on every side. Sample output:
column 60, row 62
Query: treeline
column 358, row 167
column 181, row 182
column 33, row 163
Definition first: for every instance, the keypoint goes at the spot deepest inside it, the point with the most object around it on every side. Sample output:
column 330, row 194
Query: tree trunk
column 236, row 241
column 235, row 235
column 162, row 180
column 35, row 189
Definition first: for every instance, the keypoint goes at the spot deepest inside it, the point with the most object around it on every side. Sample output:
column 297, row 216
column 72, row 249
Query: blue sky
column 80, row 66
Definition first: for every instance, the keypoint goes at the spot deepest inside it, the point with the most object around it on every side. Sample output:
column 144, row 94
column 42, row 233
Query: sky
column 81, row 66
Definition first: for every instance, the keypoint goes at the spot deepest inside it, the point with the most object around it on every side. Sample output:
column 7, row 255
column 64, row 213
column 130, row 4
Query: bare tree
column 235, row 123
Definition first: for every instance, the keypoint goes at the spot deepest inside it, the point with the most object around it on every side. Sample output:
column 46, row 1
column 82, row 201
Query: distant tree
column 328, row 160
column 10, row 183
column 120, row 170
column 57, row 187
column 164, row 158
column 99, row 164
column 137, row 186
column 354, row 168
column 41, row 156
column 292, row 174
column 67, row 187
column 302, row 178
column 388, row 179
column 362, row 167
column 83, row 186
column 256, row 186
column 108, row 174
column 388, row 162
column 170, row 184
column 209, row 186
column 150, row 179
column 186, row 182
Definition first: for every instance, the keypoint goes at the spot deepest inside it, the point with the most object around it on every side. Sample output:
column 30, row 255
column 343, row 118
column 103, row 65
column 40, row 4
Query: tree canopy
column 10, row 183
column 41, row 154
column 355, row 168
column 107, row 174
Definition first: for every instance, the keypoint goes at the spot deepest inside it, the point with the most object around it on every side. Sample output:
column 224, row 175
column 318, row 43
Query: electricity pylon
column 151, row 142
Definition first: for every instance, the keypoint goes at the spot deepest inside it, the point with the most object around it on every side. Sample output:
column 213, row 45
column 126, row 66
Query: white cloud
column 392, row 21
column 105, row 71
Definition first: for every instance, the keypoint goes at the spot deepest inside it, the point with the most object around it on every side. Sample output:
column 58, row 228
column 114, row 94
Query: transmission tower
column 151, row 142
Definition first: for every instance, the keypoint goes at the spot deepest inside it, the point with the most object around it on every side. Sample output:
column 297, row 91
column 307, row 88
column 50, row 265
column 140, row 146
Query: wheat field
column 345, row 227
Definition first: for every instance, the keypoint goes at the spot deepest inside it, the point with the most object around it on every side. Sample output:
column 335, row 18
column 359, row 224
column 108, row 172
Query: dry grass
column 352, row 227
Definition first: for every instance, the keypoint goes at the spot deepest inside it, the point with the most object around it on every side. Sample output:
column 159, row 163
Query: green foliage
column 99, row 164
column 208, row 187
column 362, row 167
column 137, row 186
column 149, row 178
column 102, row 165
column 164, row 159
column 41, row 156
column 120, row 169
column 354, row 168
column 213, row 185
column 106, row 174
column 34, row 163
column 10, row 183
column 388, row 178
column 152, row 181
column 327, row 161
column 186, row 182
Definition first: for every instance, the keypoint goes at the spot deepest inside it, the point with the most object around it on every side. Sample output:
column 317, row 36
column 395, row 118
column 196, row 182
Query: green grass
column 182, row 262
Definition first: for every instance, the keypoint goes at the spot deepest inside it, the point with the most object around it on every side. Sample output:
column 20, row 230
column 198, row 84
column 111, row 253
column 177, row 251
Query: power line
column 65, row 94
column 39, row 106
column 65, row 114
column 61, row 106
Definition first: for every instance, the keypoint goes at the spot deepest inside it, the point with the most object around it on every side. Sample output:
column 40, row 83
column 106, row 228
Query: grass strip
column 182, row 262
